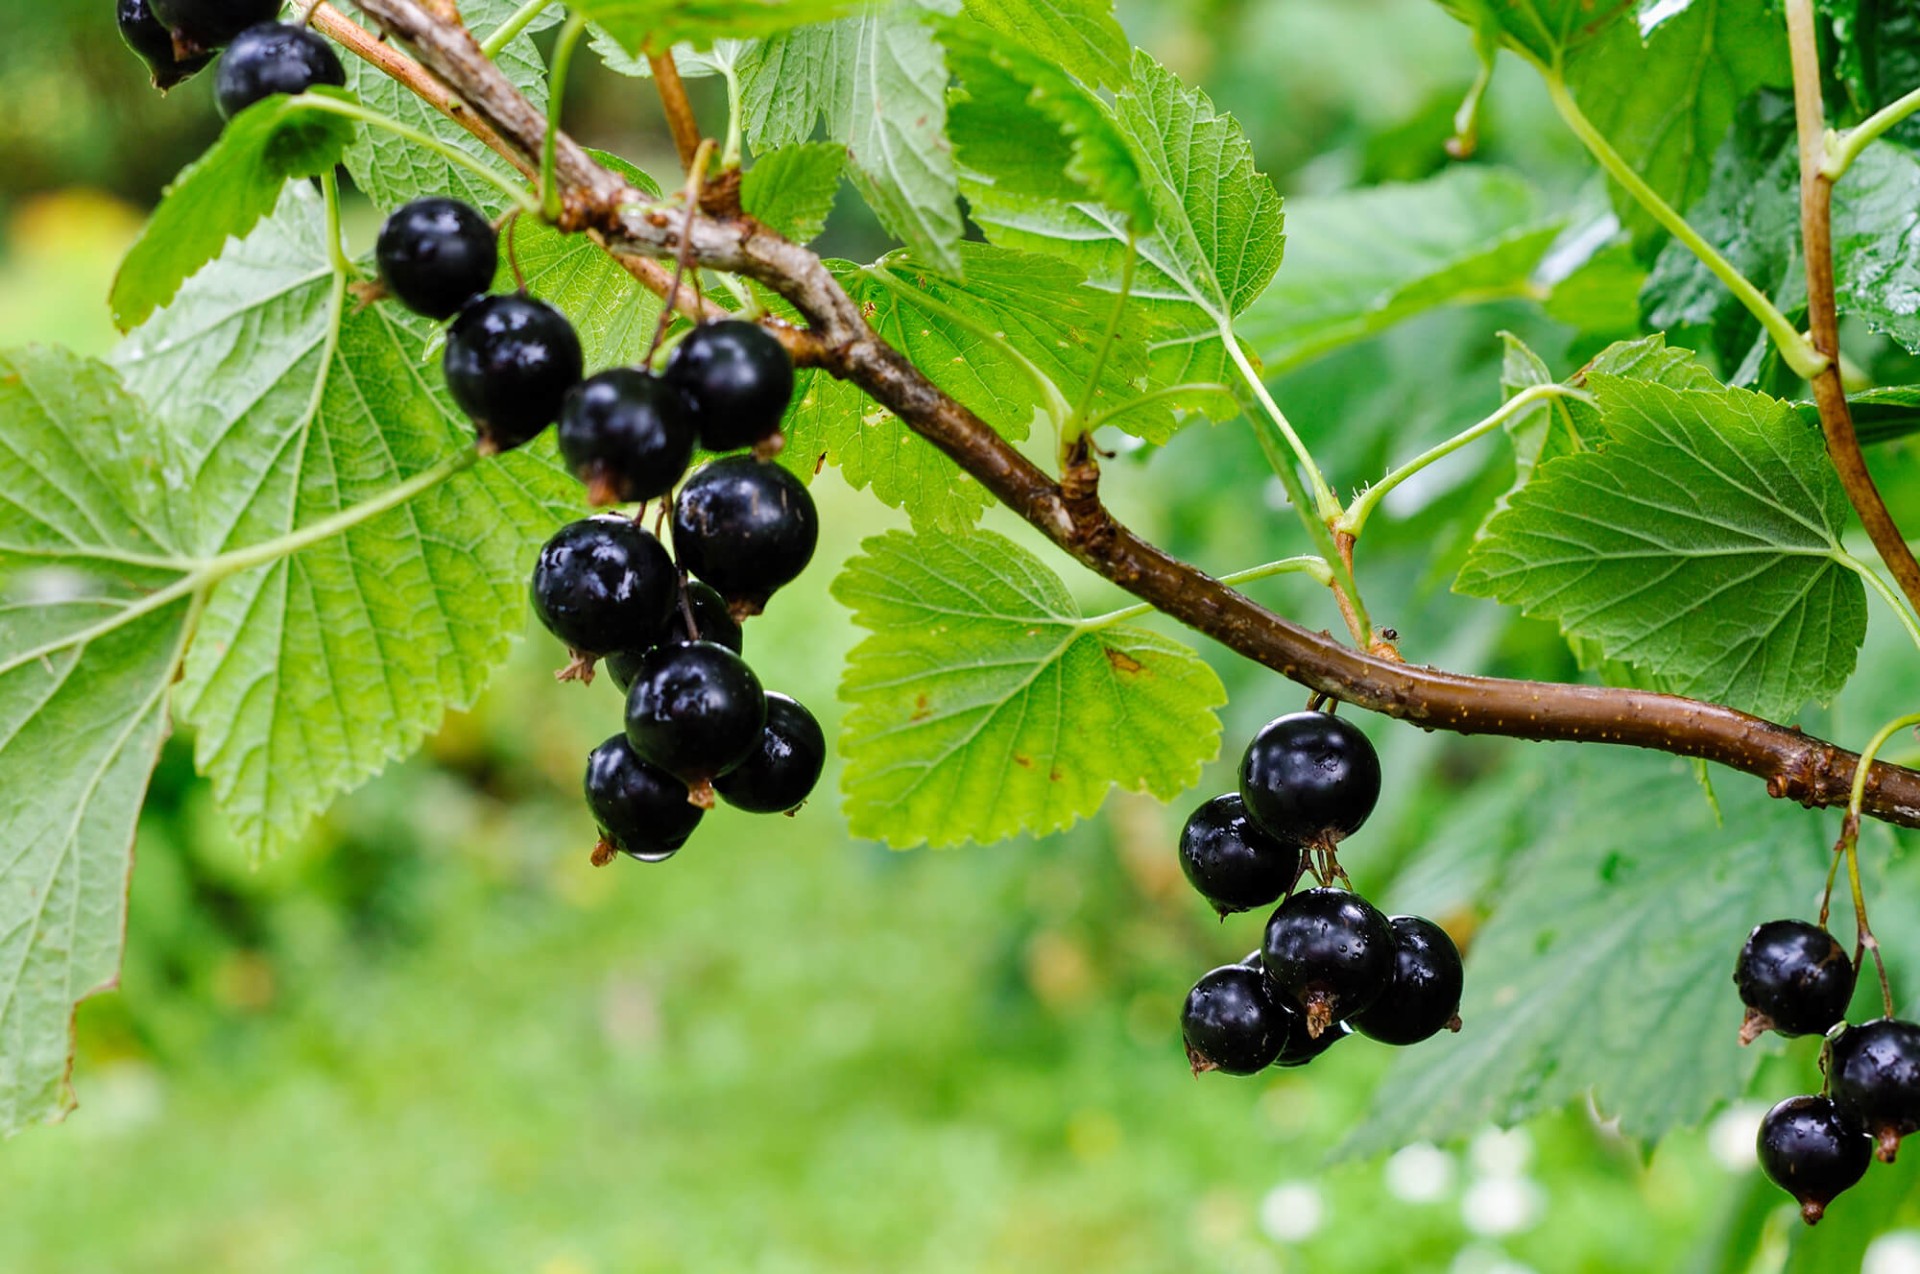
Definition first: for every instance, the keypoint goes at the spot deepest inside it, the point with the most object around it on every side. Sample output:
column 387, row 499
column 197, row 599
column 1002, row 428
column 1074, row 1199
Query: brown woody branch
column 1823, row 313
column 1793, row 765
column 673, row 96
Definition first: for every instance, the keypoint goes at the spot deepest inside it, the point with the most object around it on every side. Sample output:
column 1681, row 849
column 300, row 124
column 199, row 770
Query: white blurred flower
column 1293, row 1211
column 1420, row 1173
column 1496, row 1206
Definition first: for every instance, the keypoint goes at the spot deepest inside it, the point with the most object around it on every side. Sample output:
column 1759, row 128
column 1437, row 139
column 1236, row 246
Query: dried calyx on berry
column 1794, row 978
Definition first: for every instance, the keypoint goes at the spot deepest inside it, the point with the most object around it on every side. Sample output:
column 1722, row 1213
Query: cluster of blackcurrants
column 264, row 57
column 698, row 721
column 1796, row 978
column 1330, row 963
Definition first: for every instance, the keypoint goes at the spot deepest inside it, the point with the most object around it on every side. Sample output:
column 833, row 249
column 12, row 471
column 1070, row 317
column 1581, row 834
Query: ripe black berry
column 603, row 585
column 745, row 527
column 625, row 433
column 510, row 361
column 696, row 711
column 1874, row 1075
column 1330, row 952
column 435, row 255
column 1301, row 1047
column 271, row 59
column 1814, row 1151
column 209, row 24
column 780, row 774
column 711, row 622
column 1423, row 995
column 1232, row 1023
column 1310, row 778
column 149, row 37
column 737, row 378
column 1230, row 861
column 1794, row 978
column 642, row 810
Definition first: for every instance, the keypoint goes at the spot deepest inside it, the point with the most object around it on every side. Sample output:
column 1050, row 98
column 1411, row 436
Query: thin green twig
column 570, row 34
column 514, row 25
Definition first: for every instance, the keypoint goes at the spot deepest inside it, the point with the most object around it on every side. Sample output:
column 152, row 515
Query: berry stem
column 1076, row 426
column 1849, row 844
column 696, row 178
column 1154, row 396
column 336, row 242
column 1354, row 521
column 519, row 21
column 576, row 26
column 1305, row 564
column 452, row 154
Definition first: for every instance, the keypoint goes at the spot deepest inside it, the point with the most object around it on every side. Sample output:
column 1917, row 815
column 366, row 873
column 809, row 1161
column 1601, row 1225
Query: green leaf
column 1625, row 913
column 724, row 58
column 91, row 634
column 637, row 24
column 390, row 170
column 1015, row 337
column 792, row 189
column 223, row 194
column 314, row 671
column 612, row 313
column 1079, row 36
column 1217, row 237
column 982, row 704
column 1879, row 415
column 1699, row 542
column 1023, row 125
column 879, row 81
column 1360, row 262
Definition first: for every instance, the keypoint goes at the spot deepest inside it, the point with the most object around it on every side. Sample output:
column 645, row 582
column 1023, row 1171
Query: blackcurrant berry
column 435, row 255
column 210, row 24
column 745, row 527
column 711, row 622
column 1423, row 995
column 1231, row 1022
column 780, row 774
column 1814, row 1151
column 510, row 361
column 270, row 60
column 1310, row 778
column 625, row 433
column 1874, row 1076
column 603, row 584
column 1301, row 1047
column 1231, row 862
column 1794, row 978
column 738, row 380
column 1330, row 952
column 149, row 37
column 696, row 711
column 642, row 810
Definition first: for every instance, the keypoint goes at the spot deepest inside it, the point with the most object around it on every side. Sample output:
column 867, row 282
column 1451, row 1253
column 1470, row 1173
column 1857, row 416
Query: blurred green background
column 436, row 1039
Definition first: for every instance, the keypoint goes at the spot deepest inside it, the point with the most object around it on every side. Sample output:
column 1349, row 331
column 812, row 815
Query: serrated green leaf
column 723, row 58
column 1216, row 242
column 834, row 422
column 92, row 628
column 1015, row 337
column 1360, row 262
column 1625, row 914
column 634, row 25
column 1699, row 542
column 311, row 673
column 1025, row 126
column 982, row 704
column 391, row 170
column 792, row 189
column 1879, row 415
column 1079, row 36
column 879, row 82
column 223, row 194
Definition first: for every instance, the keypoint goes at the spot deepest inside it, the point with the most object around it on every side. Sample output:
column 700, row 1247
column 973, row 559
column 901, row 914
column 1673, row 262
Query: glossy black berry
column 271, row 60
column 780, row 774
column 1301, row 1047
column 1423, row 994
column 1814, row 1151
column 149, row 37
column 510, row 361
column 1794, row 978
column 1230, row 861
column 435, row 255
column 745, row 527
column 642, row 811
column 1231, row 1022
column 737, row 378
column 1330, row 952
column 696, row 711
column 210, row 24
column 1310, row 778
column 711, row 622
column 625, row 433
column 1874, row 1075
column 603, row 585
